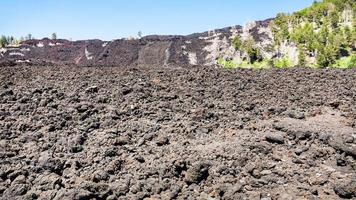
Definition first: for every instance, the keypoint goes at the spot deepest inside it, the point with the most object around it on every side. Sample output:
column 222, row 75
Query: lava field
column 177, row 133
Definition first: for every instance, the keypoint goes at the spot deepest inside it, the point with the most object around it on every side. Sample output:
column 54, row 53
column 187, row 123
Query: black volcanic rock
column 150, row 51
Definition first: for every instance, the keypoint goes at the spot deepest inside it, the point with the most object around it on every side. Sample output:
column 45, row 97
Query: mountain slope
column 195, row 49
column 320, row 35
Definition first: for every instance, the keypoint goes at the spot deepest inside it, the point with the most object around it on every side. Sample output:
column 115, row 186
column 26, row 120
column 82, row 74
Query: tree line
column 6, row 41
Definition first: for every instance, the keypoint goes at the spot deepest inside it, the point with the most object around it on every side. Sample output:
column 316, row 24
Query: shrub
column 264, row 64
column 282, row 63
column 226, row 64
column 346, row 62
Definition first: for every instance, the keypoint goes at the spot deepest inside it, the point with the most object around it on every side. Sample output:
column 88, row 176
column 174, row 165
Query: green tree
column 254, row 53
column 334, row 18
column 348, row 35
column 341, row 45
column 279, row 28
column 323, row 34
column 297, row 35
column 310, row 37
column 326, row 56
column 8, row 39
column 3, row 41
column 301, row 56
column 54, row 36
column 29, row 37
column 237, row 43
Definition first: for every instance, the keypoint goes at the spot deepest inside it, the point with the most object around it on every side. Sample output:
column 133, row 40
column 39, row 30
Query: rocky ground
column 199, row 133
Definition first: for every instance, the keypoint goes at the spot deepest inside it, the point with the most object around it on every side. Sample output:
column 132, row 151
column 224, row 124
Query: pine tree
column 323, row 34
column 54, row 36
column 29, row 36
column 301, row 56
column 3, row 41
column 334, row 19
column 237, row 43
column 326, row 55
column 254, row 53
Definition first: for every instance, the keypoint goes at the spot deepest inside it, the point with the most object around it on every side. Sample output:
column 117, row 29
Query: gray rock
column 100, row 175
column 48, row 181
column 73, row 194
column 92, row 89
column 162, row 141
column 275, row 137
column 337, row 143
column 16, row 190
column 197, row 173
column 122, row 140
column 296, row 114
column 346, row 189
column 120, row 187
column 233, row 192
column 7, row 92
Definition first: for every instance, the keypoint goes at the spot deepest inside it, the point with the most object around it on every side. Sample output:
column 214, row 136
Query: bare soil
column 197, row 133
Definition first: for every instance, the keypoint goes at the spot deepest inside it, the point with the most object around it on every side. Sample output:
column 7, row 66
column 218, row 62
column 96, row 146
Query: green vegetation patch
column 346, row 62
column 282, row 63
column 226, row 64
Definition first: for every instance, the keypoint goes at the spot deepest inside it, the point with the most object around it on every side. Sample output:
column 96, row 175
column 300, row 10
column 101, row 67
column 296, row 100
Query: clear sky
column 112, row 19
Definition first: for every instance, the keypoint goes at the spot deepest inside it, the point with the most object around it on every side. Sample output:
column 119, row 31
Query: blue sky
column 111, row 19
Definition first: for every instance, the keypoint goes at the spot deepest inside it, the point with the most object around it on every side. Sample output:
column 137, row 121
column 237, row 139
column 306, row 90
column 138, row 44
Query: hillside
column 177, row 51
column 322, row 35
